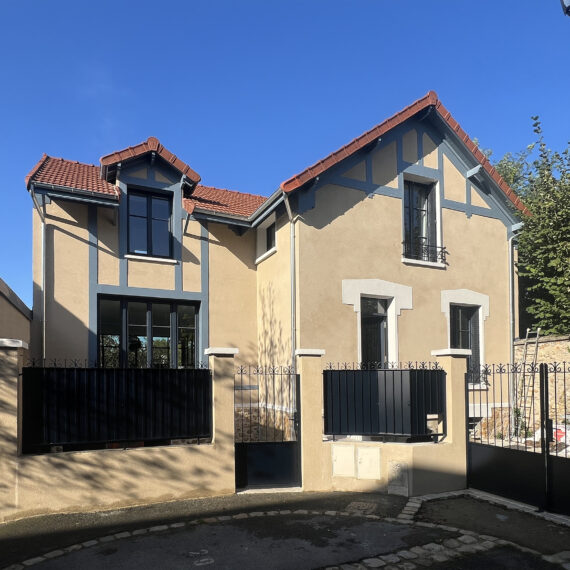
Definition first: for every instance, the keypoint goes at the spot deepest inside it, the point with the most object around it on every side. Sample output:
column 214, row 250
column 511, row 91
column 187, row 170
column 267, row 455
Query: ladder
column 525, row 391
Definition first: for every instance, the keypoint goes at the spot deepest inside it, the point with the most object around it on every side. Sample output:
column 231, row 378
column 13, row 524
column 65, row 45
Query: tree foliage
column 541, row 177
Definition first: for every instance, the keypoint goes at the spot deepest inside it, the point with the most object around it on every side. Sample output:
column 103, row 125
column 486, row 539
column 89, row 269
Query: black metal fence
column 394, row 404
column 93, row 408
column 509, row 403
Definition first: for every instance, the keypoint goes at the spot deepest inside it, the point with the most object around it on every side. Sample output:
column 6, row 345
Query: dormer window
column 149, row 224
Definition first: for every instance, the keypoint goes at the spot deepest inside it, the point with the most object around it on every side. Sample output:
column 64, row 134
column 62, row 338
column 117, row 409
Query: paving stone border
column 416, row 557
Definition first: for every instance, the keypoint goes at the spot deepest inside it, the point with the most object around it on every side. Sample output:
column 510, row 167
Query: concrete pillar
column 222, row 365
column 315, row 458
column 12, row 356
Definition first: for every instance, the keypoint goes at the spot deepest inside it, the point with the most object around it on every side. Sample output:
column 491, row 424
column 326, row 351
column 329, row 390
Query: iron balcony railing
column 424, row 252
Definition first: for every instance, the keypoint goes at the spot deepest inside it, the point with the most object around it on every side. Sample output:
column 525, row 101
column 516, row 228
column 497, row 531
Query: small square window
column 270, row 237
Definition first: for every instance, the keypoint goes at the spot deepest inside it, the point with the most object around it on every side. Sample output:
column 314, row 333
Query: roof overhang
column 151, row 147
column 435, row 110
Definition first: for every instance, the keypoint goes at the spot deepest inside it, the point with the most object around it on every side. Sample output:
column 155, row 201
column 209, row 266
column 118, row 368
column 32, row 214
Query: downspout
column 512, row 388
column 292, row 263
column 514, row 229
column 42, row 218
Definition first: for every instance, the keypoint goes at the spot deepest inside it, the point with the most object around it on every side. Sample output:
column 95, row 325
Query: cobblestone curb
column 419, row 556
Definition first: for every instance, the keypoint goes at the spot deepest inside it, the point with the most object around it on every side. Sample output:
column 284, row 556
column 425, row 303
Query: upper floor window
column 420, row 223
column 149, row 224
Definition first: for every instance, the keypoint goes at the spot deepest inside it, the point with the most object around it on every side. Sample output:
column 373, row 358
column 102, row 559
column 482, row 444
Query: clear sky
column 250, row 92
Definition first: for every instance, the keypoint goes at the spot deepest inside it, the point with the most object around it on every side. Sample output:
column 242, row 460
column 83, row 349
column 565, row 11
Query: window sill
column 265, row 255
column 436, row 264
column 479, row 386
column 451, row 352
column 152, row 259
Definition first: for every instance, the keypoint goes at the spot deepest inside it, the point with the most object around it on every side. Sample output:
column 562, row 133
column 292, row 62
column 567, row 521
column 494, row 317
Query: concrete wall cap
column 310, row 352
column 12, row 343
column 221, row 351
column 451, row 352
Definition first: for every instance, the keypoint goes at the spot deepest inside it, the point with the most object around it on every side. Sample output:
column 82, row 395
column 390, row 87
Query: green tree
column 542, row 179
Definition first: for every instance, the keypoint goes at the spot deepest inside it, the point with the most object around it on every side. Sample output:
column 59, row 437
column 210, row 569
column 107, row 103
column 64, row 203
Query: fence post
column 222, row 366
column 545, row 434
column 456, row 406
column 314, row 467
column 12, row 355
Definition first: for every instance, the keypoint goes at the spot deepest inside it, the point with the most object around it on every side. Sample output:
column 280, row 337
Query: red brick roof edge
column 152, row 144
column 429, row 100
column 35, row 169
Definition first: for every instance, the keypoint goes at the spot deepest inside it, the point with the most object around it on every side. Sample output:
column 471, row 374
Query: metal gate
column 267, row 427
column 518, row 442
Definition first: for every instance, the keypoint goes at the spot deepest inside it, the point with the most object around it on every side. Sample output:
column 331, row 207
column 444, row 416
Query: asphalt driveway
column 291, row 530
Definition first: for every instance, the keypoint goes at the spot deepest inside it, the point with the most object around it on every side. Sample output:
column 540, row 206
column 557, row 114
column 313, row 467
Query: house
column 395, row 248
column 15, row 316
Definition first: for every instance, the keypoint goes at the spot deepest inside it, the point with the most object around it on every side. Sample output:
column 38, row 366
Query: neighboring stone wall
column 550, row 349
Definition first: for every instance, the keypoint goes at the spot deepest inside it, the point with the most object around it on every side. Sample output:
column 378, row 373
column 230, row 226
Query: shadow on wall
column 274, row 340
column 97, row 479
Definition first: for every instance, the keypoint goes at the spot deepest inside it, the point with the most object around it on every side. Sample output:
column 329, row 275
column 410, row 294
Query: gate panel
column 519, row 433
column 510, row 473
column 267, row 430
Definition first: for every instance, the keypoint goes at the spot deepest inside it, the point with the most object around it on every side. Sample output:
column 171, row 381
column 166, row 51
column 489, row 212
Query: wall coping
column 543, row 339
column 310, row 352
column 12, row 343
column 221, row 351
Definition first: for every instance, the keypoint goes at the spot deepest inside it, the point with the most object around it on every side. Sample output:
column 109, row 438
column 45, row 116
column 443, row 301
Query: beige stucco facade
column 336, row 241
column 350, row 236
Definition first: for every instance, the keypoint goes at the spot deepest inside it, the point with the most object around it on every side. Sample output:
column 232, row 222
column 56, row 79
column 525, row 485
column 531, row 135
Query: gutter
column 66, row 193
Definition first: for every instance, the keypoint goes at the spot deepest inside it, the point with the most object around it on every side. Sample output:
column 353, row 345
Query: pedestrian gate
column 267, row 427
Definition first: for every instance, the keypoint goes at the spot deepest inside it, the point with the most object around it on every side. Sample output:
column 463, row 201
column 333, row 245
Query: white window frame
column 398, row 296
column 467, row 298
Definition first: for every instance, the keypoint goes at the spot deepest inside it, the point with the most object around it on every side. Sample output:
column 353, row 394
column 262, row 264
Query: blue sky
column 250, row 92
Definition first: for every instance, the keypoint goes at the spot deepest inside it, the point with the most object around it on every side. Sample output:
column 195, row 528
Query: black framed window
column 464, row 333
column 373, row 331
column 420, row 222
column 140, row 333
column 270, row 237
column 149, row 224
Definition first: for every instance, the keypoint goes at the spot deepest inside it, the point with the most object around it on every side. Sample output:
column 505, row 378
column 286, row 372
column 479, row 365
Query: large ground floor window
column 146, row 333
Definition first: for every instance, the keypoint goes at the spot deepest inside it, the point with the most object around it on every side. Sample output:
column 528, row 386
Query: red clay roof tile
column 68, row 174
column 429, row 100
column 222, row 201
column 152, row 144
column 75, row 175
